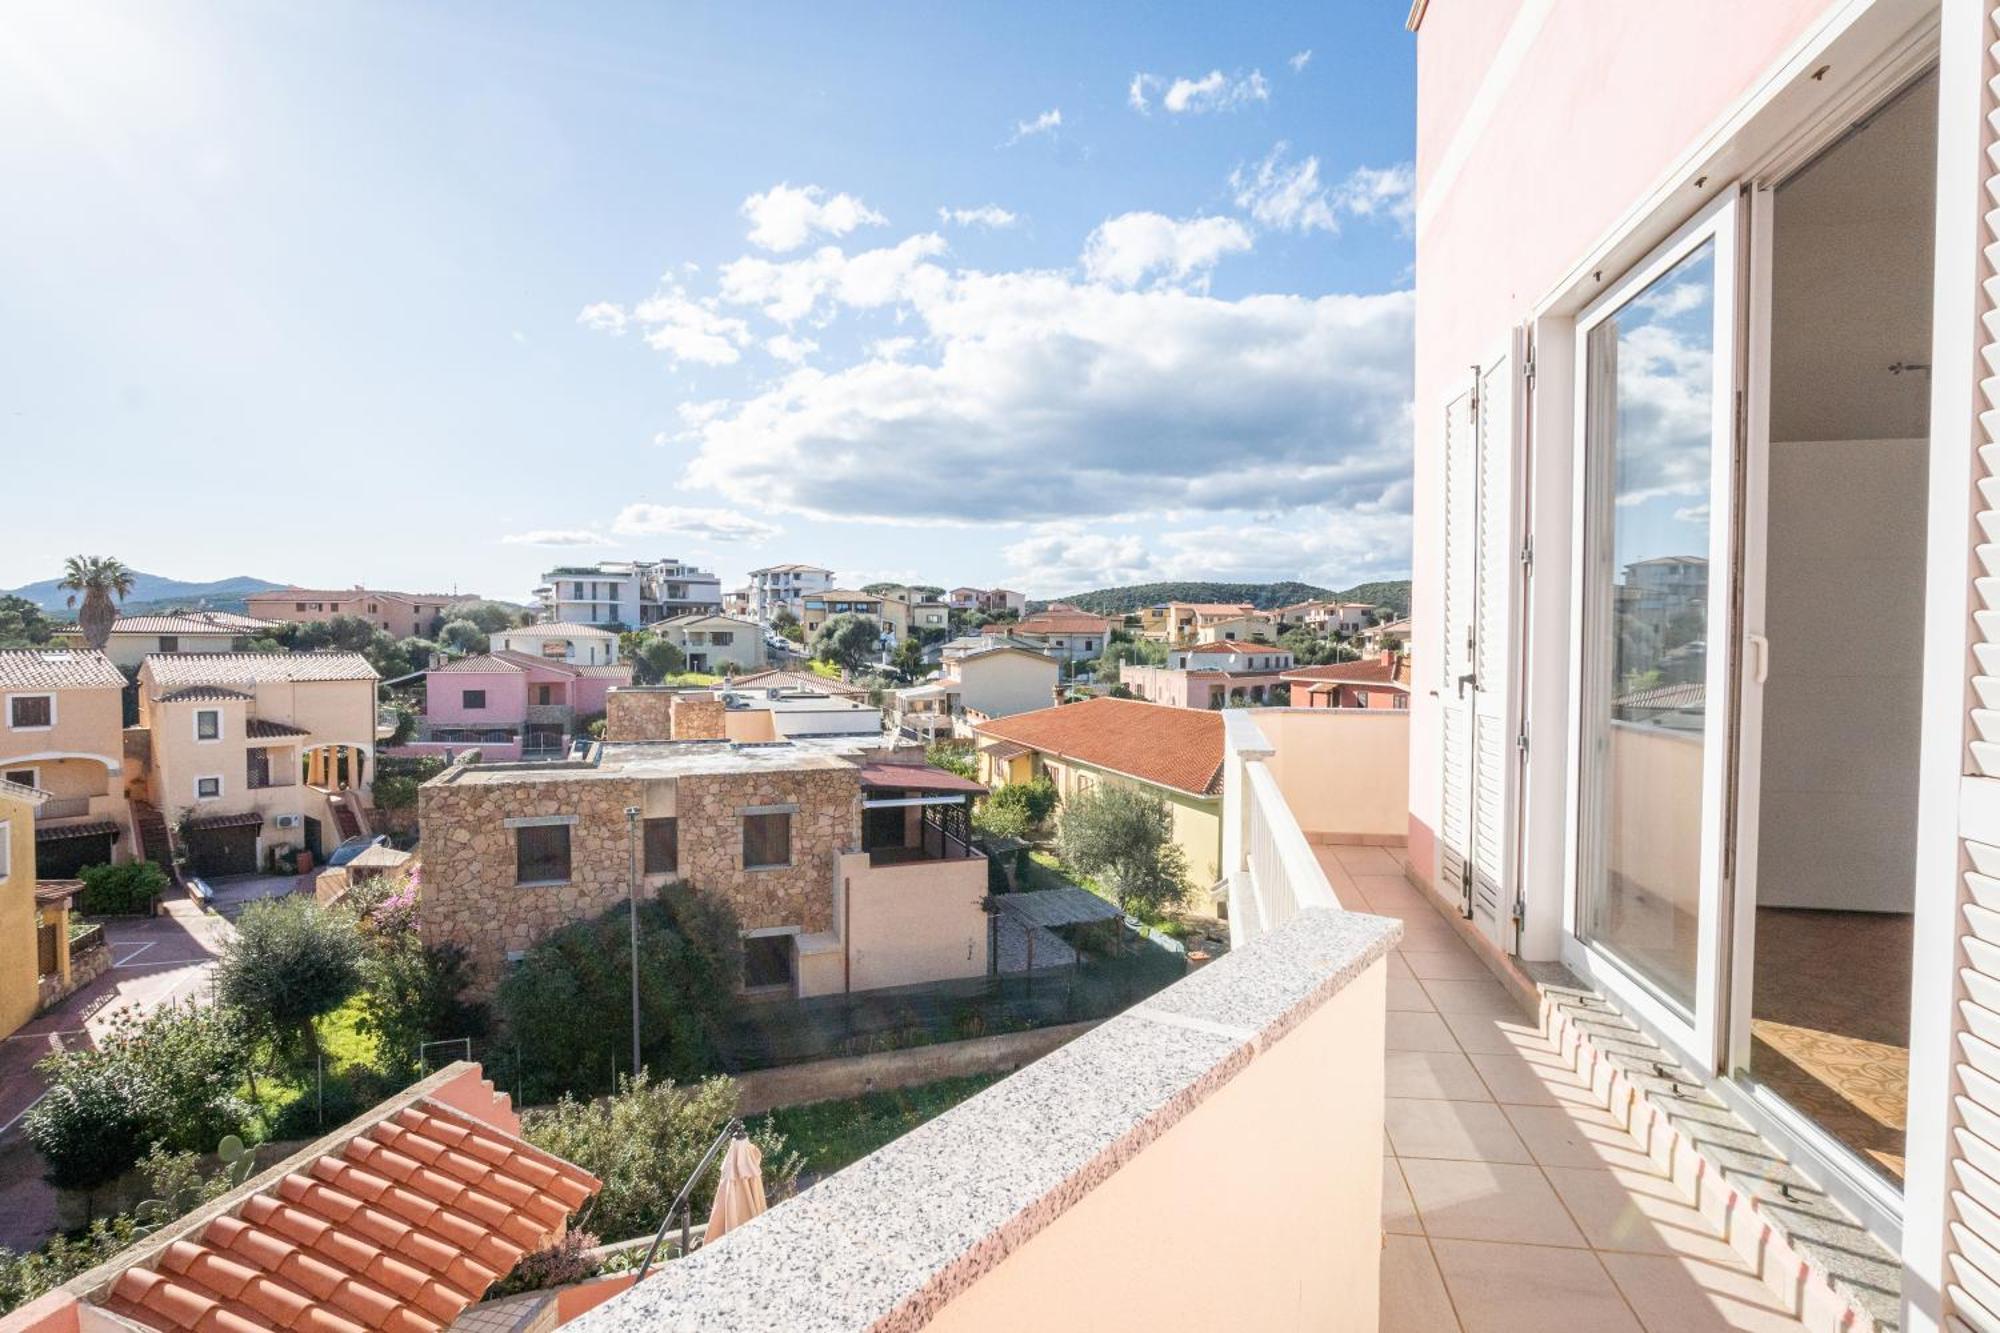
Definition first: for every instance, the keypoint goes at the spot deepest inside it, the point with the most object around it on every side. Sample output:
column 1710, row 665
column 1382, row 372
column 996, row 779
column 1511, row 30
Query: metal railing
column 62, row 807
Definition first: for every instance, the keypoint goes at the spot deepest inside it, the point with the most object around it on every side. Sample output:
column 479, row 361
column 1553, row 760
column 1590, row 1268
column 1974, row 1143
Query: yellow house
column 252, row 750
column 133, row 637
column 20, row 970
column 62, row 733
column 1175, row 753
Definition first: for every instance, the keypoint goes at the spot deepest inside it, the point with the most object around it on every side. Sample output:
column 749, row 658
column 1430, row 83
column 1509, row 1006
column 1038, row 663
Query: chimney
column 698, row 717
column 1389, row 657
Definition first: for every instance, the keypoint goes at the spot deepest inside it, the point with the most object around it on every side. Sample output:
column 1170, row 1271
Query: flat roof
column 675, row 759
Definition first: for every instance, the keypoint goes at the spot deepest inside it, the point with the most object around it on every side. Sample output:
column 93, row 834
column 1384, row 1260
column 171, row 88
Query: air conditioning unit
column 286, row 821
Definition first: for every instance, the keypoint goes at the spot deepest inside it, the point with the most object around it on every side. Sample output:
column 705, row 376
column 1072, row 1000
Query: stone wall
column 828, row 822
column 633, row 714
column 698, row 717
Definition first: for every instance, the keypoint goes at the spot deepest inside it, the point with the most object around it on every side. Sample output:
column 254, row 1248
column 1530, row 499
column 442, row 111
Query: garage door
column 61, row 858
column 223, row 851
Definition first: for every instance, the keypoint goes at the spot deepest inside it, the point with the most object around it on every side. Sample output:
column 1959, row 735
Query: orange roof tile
column 1371, row 671
column 1171, row 747
column 400, row 1226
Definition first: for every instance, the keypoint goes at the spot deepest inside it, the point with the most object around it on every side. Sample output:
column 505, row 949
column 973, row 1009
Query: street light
column 632, row 918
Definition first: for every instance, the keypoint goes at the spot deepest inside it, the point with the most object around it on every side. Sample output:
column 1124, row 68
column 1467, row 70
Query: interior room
column 1844, row 578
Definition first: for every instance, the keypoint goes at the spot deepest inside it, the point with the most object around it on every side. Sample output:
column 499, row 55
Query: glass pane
column 1650, row 404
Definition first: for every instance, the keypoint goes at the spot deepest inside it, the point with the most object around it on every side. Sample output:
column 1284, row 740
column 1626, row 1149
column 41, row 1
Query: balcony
column 62, row 807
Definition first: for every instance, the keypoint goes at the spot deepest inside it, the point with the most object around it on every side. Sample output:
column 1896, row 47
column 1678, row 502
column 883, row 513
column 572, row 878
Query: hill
column 1119, row 601
column 154, row 592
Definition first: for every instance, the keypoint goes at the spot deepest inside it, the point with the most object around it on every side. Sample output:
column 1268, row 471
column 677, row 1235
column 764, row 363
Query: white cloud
column 718, row 525
column 604, row 317
column 1289, row 196
column 1047, row 123
column 986, row 215
column 687, row 329
column 1067, row 557
column 790, row 290
column 892, row 349
column 1300, row 60
column 1125, row 250
column 1213, row 91
column 556, row 537
column 1318, row 545
column 787, row 348
column 785, row 216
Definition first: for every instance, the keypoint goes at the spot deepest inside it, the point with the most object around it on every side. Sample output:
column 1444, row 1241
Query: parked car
column 354, row 846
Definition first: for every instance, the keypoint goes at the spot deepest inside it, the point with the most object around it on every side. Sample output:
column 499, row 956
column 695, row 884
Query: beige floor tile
column 1576, row 1136
column 1529, row 1289
column 1623, row 1209
column 1456, row 963
column 1487, row 1201
column 1519, row 1079
column 1397, row 966
column 1485, row 997
column 1399, row 1215
column 1361, row 861
column 1413, row 1295
column 1464, row 1131
column 1407, row 993
column 1423, row 933
column 1682, row 1295
column 1484, row 1034
column 1447, row 1075
column 1419, row 1032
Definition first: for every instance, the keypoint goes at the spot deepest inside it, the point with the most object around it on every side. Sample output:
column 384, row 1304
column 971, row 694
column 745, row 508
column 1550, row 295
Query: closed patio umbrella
column 739, row 1194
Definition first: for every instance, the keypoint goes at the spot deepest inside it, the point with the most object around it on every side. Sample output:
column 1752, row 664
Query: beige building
column 402, row 614
column 62, row 733
column 977, row 683
column 1226, row 629
column 578, row 645
column 716, row 645
column 133, row 637
column 251, row 751
column 1065, row 633
column 19, row 917
column 849, row 865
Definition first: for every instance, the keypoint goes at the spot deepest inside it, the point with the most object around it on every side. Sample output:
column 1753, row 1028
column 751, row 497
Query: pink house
column 512, row 705
column 1708, row 378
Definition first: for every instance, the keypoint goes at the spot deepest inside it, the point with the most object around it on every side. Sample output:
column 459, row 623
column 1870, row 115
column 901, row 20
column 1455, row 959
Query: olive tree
column 1123, row 838
column 848, row 641
column 291, row 961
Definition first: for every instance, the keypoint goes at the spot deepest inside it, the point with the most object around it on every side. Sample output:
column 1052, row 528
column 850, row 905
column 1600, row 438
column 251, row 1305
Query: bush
column 654, row 659
column 396, row 792
column 690, row 958
column 1017, row 809
column 91, row 1126
column 644, row 1143
column 291, row 961
column 23, row 1277
column 412, row 994
column 1124, row 838
column 122, row 890
column 568, row 1260
column 953, row 757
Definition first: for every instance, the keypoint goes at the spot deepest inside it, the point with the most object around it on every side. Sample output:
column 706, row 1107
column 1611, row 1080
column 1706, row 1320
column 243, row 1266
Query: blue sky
column 441, row 295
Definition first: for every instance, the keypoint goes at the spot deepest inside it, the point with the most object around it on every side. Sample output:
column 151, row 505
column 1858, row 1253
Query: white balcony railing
column 1270, row 867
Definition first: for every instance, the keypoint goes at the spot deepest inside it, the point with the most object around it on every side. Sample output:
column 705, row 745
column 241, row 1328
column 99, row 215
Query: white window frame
column 34, row 772
column 50, row 695
column 216, row 778
column 6, row 848
column 196, row 726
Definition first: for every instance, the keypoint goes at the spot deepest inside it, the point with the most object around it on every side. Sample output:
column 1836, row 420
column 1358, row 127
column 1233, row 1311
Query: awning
column 95, row 828
column 1003, row 750
column 248, row 819
column 257, row 729
column 918, row 777
column 49, row 892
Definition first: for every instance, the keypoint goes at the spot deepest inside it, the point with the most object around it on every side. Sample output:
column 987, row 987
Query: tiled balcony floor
column 1510, row 1199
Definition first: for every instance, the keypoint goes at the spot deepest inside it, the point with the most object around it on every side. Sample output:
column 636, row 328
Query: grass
column 830, row 1135
column 826, row 670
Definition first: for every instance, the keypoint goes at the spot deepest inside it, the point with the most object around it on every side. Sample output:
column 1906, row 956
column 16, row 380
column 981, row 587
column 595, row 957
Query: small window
column 541, row 854
column 170, row 643
column 207, row 789
column 298, row 606
column 767, row 841
column 544, row 694
column 473, row 699
column 20, row 777
column 663, row 846
column 31, row 710
column 208, row 724
column 6, row 848
column 767, row 961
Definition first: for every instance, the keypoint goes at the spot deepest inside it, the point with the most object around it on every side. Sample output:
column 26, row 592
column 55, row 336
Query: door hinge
column 1528, row 368
column 1527, row 553
column 1521, row 740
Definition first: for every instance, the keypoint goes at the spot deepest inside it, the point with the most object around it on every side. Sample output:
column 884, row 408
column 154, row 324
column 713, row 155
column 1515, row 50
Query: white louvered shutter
column 1493, row 731
column 1972, row 1182
column 1455, row 653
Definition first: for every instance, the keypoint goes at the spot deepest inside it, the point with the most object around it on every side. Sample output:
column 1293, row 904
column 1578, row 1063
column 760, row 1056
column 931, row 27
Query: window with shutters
column 541, row 854
column 663, row 846
column 767, row 841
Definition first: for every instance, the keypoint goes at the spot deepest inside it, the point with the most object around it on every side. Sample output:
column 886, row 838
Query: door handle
column 1469, row 678
column 1761, row 670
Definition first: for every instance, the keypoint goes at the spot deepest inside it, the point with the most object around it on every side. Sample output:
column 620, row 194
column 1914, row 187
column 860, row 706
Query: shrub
column 558, row 1265
column 414, row 994
column 1124, row 838
column 848, row 641
column 91, row 1125
column 1017, row 809
column 644, row 1143
column 396, row 792
column 291, row 961
column 122, row 890
column 654, row 659
column 23, row 1277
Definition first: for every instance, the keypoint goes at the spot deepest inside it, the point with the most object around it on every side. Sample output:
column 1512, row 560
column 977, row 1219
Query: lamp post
column 632, row 919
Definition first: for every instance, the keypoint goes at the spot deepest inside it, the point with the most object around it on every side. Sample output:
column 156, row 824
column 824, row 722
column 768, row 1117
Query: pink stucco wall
column 506, row 698
column 587, row 693
column 1604, row 100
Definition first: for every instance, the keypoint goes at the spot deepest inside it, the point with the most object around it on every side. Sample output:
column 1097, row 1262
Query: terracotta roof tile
column 201, row 693
column 58, row 668
column 1370, row 671
column 1063, row 622
column 1172, row 747
column 172, row 671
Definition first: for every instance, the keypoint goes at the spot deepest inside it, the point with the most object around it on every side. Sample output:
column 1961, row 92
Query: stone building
column 848, row 864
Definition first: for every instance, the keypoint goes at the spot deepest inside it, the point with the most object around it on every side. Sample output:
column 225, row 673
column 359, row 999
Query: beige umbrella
column 739, row 1194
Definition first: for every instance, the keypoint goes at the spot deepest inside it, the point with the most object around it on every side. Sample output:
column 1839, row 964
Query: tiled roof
column 1371, row 671
column 1215, row 608
column 917, row 777
column 1002, row 751
column 246, row 819
column 57, row 668
column 201, row 693
column 402, row 1226
column 172, row 671
column 1063, row 622
column 263, row 729
column 505, row 661
column 562, row 627
column 619, row 671
column 793, row 680
column 356, row 594
column 191, row 622
column 1236, row 646
column 1171, row 747
column 94, row 828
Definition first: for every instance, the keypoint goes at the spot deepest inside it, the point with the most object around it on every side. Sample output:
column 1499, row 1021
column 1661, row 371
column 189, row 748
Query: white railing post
column 1272, row 872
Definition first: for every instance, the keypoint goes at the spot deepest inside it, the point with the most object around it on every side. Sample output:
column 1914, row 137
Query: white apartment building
column 776, row 586
column 627, row 592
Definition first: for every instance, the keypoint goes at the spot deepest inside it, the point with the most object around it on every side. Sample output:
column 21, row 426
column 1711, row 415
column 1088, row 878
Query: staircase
column 345, row 817
column 151, row 827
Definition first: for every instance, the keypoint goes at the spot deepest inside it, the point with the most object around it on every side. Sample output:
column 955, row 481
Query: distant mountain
column 1120, row 601
column 153, row 592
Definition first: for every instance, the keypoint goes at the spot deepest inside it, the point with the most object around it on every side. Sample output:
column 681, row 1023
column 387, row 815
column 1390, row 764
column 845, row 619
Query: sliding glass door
column 1658, row 382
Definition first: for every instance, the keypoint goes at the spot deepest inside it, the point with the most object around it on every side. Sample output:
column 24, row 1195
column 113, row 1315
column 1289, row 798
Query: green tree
column 291, row 961
column 1016, row 810
column 1123, row 838
column 848, row 641
column 654, row 659
column 412, row 994
column 490, row 617
column 22, row 624
column 101, row 581
column 952, row 757
column 91, row 1124
column 463, row 636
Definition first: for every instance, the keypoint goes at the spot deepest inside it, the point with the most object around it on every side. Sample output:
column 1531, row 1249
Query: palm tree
column 99, row 578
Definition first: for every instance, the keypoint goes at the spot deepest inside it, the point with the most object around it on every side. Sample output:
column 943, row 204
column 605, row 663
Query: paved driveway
column 155, row 961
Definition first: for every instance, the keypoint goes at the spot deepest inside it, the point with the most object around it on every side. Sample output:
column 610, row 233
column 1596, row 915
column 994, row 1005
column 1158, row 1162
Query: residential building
column 1177, row 622
column 816, row 608
column 1380, row 681
column 736, row 602
column 247, row 751
column 849, row 865
column 965, row 599
column 1394, row 634
column 62, row 733
column 512, row 705
column 1067, row 635
column 578, row 645
column 20, row 916
column 779, row 587
column 770, row 713
column 402, row 614
column 800, row 681
column 1210, row 675
column 1175, row 753
column 1325, row 617
column 1774, row 887
column 716, row 644
column 632, row 593
column 1227, row 628
column 132, row 637
column 910, row 612
column 991, row 601
column 995, row 679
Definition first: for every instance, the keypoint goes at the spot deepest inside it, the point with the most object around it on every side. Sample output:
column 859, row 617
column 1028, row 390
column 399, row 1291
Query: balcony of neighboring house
column 913, row 813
